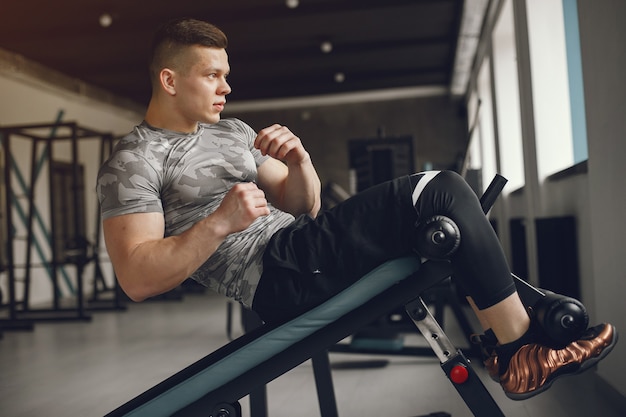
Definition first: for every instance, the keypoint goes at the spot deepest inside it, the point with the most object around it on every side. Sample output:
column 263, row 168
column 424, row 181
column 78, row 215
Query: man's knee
column 454, row 184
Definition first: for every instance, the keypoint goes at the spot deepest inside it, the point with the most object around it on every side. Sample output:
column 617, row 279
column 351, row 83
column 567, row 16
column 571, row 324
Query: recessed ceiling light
column 292, row 4
column 105, row 20
column 326, row 47
column 340, row 77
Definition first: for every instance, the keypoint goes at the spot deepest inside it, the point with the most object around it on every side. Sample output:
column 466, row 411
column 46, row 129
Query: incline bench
column 213, row 385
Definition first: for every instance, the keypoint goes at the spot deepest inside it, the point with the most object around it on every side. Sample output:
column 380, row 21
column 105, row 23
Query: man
column 189, row 195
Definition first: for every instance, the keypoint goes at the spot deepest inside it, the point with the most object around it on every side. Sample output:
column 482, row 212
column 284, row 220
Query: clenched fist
column 243, row 204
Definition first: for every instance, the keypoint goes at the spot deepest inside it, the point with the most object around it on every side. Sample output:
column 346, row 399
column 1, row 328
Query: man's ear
column 167, row 78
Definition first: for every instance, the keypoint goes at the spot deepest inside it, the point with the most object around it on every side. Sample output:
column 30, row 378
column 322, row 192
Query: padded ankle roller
column 437, row 238
column 563, row 319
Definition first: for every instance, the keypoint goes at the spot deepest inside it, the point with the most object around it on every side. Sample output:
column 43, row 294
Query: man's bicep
column 271, row 176
column 123, row 233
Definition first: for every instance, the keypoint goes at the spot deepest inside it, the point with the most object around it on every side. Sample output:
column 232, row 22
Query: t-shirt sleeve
column 250, row 136
column 127, row 183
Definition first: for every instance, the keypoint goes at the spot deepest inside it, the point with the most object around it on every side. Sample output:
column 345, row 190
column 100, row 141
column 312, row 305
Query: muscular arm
column 292, row 186
column 147, row 263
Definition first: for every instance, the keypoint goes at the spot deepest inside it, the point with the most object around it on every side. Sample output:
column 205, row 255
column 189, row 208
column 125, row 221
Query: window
column 506, row 84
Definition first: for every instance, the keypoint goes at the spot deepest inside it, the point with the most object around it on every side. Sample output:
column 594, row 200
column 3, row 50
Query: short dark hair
column 171, row 38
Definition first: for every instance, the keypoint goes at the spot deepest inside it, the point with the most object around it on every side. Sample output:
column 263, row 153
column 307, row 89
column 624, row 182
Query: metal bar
column 55, row 279
column 324, row 385
column 10, row 234
column 428, row 326
column 79, row 241
column 492, row 192
column 470, row 387
column 29, row 227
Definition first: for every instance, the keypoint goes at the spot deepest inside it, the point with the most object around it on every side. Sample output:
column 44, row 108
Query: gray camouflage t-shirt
column 185, row 177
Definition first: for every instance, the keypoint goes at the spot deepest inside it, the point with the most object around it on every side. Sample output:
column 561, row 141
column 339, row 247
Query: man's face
column 201, row 90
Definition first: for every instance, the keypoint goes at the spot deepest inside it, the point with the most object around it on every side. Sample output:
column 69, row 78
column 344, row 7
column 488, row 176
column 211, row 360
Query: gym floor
column 85, row 369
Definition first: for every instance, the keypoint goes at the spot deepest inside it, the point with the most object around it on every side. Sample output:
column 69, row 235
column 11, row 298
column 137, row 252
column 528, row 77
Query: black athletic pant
column 313, row 259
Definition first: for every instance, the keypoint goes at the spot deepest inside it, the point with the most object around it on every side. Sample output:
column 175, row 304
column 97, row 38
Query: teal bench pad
column 276, row 340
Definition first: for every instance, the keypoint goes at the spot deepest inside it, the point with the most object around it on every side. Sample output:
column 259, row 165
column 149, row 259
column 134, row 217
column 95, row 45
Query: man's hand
column 292, row 186
column 280, row 143
column 243, row 204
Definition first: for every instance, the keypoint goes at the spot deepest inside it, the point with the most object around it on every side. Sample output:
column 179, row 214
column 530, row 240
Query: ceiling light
column 292, row 4
column 340, row 77
column 105, row 20
column 326, row 47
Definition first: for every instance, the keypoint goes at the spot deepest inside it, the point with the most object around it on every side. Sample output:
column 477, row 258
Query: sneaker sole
column 582, row 368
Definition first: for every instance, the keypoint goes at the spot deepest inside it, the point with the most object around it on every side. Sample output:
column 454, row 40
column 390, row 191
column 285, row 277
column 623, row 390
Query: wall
column 437, row 124
column 603, row 37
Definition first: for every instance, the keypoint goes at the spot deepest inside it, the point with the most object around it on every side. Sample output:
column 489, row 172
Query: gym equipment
column 438, row 238
column 54, row 158
column 214, row 385
column 562, row 318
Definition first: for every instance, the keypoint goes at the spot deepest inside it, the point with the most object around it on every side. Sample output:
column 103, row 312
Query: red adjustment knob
column 459, row 374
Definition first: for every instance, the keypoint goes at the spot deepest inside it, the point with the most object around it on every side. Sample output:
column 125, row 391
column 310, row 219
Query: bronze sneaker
column 533, row 368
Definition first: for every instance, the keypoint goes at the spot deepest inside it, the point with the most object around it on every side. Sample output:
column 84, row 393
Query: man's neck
column 158, row 116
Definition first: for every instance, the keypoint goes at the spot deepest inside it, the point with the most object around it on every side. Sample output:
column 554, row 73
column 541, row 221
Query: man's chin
column 212, row 120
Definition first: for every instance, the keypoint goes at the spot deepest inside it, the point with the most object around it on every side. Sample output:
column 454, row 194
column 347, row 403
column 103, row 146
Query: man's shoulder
column 141, row 143
column 140, row 135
